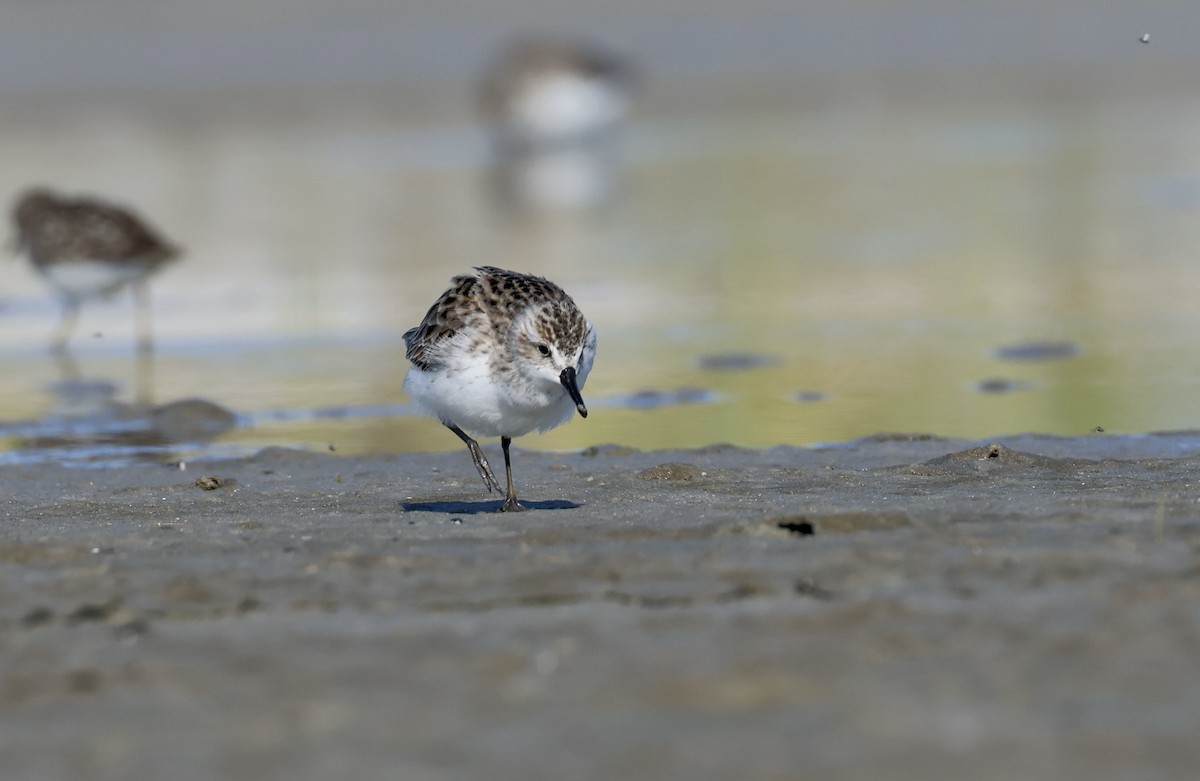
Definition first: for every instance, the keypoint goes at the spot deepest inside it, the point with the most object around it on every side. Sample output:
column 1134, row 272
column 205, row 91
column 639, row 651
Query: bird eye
column 543, row 349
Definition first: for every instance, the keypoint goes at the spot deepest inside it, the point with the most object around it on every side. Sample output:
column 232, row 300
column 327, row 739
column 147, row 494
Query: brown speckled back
column 487, row 302
column 54, row 229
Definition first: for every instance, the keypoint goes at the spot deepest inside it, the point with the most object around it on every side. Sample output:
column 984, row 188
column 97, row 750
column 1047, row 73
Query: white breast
column 90, row 278
column 466, row 394
column 562, row 105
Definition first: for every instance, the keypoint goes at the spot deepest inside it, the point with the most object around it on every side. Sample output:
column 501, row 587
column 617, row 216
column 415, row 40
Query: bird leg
column 66, row 325
column 141, row 300
column 485, row 471
column 510, row 502
column 68, row 368
column 144, row 383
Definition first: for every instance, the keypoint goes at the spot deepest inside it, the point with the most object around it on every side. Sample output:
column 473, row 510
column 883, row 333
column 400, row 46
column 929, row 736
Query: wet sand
column 895, row 607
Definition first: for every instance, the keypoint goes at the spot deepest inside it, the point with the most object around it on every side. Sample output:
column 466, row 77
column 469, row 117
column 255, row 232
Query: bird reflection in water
column 554, row 109
column 88, row 249
column 87, row 415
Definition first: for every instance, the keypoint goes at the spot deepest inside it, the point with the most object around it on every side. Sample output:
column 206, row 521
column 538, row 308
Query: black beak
column 567, row 378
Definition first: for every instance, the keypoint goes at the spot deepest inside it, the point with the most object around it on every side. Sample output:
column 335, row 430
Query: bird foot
column 511, row 505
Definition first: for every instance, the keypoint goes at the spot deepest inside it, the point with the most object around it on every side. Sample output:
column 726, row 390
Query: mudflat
column 902, row 607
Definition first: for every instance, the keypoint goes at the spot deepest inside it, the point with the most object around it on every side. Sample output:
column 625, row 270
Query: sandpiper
column 543, row 92
column 87, row 248
column 500, row 354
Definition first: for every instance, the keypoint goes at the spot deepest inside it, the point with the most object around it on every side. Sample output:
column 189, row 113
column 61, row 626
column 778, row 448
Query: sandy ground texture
column 896, row 607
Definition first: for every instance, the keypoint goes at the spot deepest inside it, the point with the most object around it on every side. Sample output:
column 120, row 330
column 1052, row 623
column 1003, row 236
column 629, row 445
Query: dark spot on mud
column 316, row 604
column 546, row 600
column 648, row 601
column 736, row 361
column 807, row 587
column 134, row 626
column 209, row 483
column 799, row 526
column 613, row 451
column 247, row 604
column 37, row 617
column 84, row 681
column 500, row 603
column 808, row 396
column 675, row 472
column 1037, row 351
column 742, row 591
column 92, row 612
column 999, row 385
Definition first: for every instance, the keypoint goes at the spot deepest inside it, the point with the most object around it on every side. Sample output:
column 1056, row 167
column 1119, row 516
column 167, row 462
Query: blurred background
column 817, row 221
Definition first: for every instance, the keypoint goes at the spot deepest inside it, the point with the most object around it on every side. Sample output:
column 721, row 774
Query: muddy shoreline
column 894, row 607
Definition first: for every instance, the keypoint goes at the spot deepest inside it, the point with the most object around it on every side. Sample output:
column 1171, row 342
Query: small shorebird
column 86, row 249
column 500, row 354
column 544, row 92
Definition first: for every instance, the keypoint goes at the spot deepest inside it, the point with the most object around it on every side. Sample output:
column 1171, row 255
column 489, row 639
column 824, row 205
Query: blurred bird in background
column 554, row 108
column 87, row 249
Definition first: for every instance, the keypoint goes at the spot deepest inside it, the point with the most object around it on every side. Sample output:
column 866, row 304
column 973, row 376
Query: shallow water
column 799, row 250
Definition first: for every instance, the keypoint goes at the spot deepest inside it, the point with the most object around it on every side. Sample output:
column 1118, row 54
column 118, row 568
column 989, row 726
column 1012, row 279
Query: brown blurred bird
column 545, row 91
column 86, row 249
